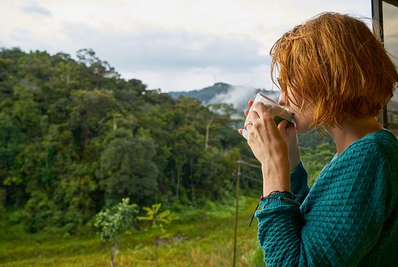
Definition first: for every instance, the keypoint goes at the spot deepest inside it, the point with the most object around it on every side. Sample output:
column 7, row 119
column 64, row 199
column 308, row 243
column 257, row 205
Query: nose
column 281, row 100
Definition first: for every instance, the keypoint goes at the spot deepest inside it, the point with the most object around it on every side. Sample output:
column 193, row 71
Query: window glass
column 390, row 30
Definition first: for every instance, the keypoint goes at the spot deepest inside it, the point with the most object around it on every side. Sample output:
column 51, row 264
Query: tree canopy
column 75, row 137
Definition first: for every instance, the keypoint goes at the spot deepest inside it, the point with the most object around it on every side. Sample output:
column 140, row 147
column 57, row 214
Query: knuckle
column 267, row 117
column 258, row 105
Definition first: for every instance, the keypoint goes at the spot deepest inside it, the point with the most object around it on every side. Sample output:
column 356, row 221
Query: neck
column 352, row 131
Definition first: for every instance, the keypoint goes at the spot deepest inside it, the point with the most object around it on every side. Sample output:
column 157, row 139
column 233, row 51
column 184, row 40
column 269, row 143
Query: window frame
column 377, row 15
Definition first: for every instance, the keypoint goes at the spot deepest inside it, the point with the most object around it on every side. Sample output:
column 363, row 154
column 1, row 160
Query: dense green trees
column 75, row 137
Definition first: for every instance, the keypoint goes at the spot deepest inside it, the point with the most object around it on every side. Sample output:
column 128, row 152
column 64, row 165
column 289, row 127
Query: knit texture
column 348, row 218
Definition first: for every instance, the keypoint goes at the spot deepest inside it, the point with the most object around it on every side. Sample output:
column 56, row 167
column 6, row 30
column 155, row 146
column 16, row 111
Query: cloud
column 195, row 78
column 173, row 59
column 160, row 49
column 169, row 60
column 170, row 44
column 238, row 96
column 33, row 8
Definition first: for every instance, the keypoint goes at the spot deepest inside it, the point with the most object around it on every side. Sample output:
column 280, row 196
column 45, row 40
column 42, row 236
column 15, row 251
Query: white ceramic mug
column 278, row 112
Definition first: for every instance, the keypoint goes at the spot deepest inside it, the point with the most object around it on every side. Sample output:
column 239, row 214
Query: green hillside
column 200, row 238
column 76, row 138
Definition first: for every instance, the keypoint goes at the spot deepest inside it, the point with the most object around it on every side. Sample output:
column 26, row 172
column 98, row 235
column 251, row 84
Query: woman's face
column 302, row 118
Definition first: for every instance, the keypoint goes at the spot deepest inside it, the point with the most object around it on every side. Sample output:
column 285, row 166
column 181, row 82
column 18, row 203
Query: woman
column 335, row 76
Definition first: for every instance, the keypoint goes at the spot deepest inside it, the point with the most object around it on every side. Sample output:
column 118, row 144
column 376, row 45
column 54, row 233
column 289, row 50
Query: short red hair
column 336, row 65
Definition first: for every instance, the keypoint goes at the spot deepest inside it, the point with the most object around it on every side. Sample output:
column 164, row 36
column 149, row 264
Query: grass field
column 203, row 238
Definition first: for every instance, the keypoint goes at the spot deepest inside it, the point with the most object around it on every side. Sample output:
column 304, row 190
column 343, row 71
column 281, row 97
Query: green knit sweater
column 348, row 218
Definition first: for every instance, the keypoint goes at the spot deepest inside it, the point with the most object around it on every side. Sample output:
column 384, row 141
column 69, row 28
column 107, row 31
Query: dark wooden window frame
column 377, row 15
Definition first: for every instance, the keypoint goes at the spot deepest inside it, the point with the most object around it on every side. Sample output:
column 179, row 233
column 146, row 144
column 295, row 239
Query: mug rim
column 269, row 99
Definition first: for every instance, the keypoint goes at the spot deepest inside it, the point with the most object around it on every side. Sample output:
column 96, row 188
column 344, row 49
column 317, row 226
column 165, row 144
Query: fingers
column 291, row 130
column 246, row 113
column 259, row 116
column 262, row 122
column 261, row 108
column 250, row 104
column 289, row 133
column 263, row 113
column 282, row 128
column 285, row 129
column 249, row 123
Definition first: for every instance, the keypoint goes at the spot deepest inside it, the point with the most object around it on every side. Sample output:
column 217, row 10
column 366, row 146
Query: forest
column 76, row 138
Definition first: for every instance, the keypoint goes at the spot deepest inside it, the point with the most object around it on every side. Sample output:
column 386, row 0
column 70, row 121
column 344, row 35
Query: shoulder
column 379, row 146
column 361, row 172
column 370, row 161
column 371, row 156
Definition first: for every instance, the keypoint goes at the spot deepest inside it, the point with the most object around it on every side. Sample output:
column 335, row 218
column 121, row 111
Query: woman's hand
column 269, row 147
column 273, row 146
column 290, row 135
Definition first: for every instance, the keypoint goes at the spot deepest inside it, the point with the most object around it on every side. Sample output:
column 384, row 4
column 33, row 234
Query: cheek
column 293, row 107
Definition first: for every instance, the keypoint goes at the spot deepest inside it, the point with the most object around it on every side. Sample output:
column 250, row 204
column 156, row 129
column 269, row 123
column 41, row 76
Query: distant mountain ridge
column 238, row 96
column 206, row 94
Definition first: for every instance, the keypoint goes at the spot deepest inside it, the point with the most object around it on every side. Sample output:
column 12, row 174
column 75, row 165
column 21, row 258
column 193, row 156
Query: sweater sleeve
column 339, row 222
column 299, row 183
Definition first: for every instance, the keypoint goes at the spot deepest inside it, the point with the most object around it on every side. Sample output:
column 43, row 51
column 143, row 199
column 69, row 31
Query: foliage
column 157, row 218
column 258, row 258
column 201, row 241
column 126, row 167
column 113, row 222
column 75, row 138
column 315, row 155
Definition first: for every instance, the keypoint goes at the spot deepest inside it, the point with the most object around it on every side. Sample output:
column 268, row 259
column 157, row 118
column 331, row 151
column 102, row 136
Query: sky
column 171, row 45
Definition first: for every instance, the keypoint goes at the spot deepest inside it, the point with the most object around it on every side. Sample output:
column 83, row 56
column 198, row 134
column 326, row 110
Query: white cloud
column 170, row 44
column 36, row 9
column 177, row 50
column 198, row 78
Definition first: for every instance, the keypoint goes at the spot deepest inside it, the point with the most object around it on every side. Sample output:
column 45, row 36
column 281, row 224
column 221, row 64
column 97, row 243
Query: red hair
column 334, row 64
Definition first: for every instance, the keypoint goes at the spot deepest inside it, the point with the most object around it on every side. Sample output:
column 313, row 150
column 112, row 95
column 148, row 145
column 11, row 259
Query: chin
column 303, row 129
